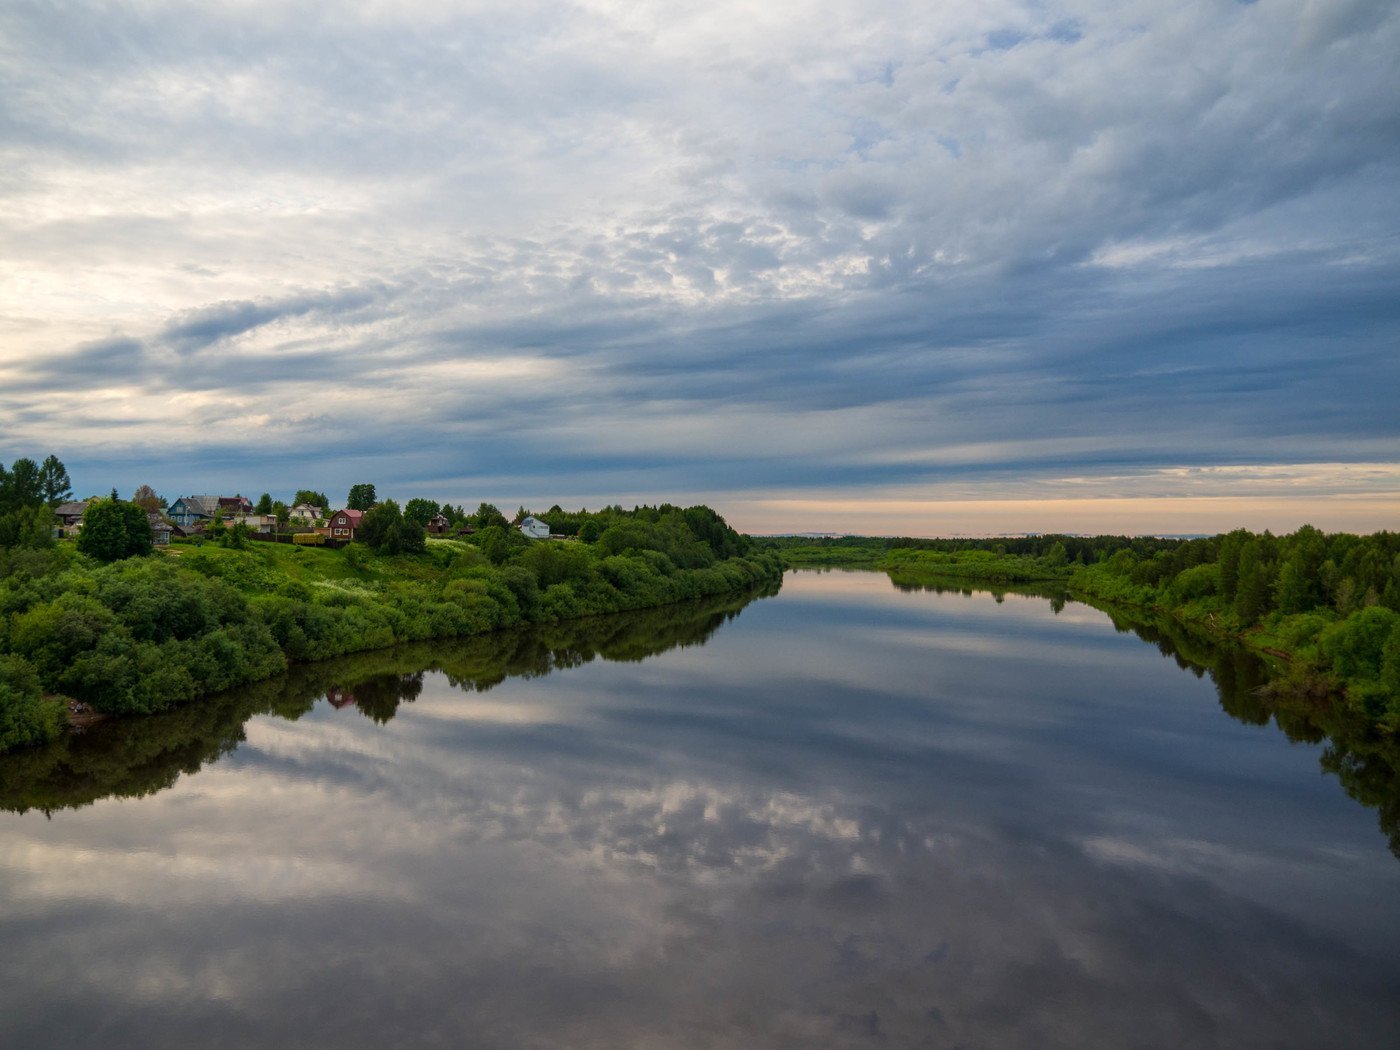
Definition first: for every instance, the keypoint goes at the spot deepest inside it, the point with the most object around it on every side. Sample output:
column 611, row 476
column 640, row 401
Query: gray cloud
column 1166, row 238
column 207, row 325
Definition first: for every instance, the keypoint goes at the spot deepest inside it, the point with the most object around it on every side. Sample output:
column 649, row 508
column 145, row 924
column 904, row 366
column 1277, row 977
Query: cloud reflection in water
column 711, row 849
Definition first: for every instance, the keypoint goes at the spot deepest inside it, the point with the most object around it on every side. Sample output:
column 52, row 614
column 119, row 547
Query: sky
column 876, row 267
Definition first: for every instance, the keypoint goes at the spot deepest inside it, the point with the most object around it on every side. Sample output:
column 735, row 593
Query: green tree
column 497, row 542
column 25, row 519
column 1256, row 582
column 385, row 528
column 25, row 716
column 361, row 497
column 311, row 496
column 113, row 529
column 27, row 527
column 21, row 486
column 264, row 504
column 1356, row 647
column 236, row 536
column 54, row 481
column 1228, row 559
column 488, row 515
column 1292, row 590
column 589, row 531
column 420, row 511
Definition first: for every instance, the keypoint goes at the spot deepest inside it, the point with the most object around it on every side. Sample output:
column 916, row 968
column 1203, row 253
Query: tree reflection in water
column 1367, row 764
column 140, row 756
column 136, row 757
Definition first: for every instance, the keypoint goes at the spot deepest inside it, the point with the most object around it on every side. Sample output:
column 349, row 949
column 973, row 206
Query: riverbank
column 148, row 633
column 126, row 758
column 1321, row 609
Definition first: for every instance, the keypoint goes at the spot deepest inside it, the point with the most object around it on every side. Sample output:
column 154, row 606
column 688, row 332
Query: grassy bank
column 146, row 633
column 1326, row 608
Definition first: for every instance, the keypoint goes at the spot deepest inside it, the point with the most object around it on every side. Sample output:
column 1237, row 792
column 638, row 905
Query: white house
column 534, row 528
column 305, row 514
column 256, row 522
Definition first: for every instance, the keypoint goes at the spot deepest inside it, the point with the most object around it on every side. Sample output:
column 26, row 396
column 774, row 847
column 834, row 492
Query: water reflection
column 1366, row 763
column 135, row 757
column 839, row 823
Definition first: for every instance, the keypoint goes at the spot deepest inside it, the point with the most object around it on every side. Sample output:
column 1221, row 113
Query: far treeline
column 123, row 629
column 1329, row 604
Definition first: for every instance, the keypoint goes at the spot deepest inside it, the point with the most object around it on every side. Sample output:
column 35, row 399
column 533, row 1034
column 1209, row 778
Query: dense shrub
column 25, row 716
column 1354, row 647
column 114, row 529
column 1199, row 581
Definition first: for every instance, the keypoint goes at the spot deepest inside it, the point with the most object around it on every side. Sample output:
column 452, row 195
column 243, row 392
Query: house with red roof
column 343, row 524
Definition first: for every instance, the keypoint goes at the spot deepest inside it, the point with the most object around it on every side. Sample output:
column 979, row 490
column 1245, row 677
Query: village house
column 305, row 514
column 188, row 511
column 535, row 529
column 161, row 530
column 256, row 522
column 344, row 523
column 438, row 525
column 70, row 518
column 70, row 513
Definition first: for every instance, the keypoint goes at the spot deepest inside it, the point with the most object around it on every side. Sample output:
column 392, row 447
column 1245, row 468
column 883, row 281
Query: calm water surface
column 848, row 815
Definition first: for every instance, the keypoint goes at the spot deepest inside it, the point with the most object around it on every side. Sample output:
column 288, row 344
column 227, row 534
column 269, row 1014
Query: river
column 846, row 815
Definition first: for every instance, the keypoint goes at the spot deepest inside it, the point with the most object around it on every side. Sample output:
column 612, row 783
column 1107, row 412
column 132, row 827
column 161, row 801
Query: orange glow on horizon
column 1131, row 516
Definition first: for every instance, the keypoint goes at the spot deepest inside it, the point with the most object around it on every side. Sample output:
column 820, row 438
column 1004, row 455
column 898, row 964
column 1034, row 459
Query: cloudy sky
column 870, row 266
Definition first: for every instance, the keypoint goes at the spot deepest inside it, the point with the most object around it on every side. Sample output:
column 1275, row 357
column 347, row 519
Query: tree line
column 28, row 493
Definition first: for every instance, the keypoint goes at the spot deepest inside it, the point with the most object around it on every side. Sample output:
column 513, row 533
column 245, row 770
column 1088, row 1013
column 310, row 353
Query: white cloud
column 1117, row 230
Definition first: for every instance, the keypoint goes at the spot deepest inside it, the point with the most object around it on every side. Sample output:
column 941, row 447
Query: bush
column 386, row 530
column 26, row 718
column 1199, row 581
column 523, row 584
column 557, row 562
column 53, row 635
column 1354, row 647
column 30, row 527
column 114, row 529
column 1303, row 630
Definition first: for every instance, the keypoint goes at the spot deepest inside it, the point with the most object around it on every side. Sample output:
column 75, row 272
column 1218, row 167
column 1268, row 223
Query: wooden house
column 70, row 513
column 197, row 510
column 70, row 518
column 344, row 523
column 161, row 532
